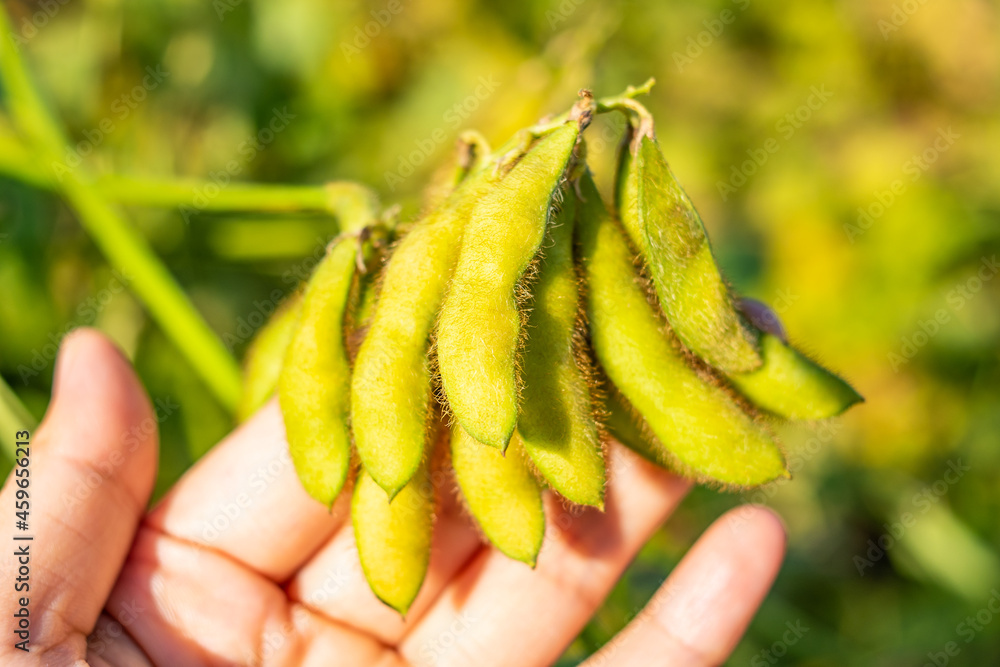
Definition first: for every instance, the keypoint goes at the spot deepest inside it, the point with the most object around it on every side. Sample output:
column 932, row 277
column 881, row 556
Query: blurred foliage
column 862, row 293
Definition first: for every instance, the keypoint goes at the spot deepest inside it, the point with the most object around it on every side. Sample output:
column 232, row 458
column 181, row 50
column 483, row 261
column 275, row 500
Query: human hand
column 237, row 565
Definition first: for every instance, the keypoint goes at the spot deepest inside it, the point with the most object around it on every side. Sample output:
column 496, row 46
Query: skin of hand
column 238, row 566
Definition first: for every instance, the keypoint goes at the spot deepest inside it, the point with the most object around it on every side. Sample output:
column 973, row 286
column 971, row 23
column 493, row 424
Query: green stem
column 14, row 417
column 207, row 196
column 333, row 198
column 157, row 289
column 120, row 243
column 26, row 105
column 627, row 105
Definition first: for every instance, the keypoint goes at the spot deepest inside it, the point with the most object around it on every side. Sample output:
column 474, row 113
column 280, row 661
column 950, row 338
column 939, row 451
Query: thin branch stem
column 120, row 243
column 340, row 199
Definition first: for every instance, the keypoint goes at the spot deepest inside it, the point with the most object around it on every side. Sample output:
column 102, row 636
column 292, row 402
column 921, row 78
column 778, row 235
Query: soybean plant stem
column 18, row 163
column 120, row 243
column 207, row 196
column 626, row 104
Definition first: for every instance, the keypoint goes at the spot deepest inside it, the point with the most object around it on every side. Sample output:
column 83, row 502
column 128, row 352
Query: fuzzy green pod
column 501, row 493
column 391, row 386
column 314, row 385
column 624, row 426
column 394, row 538
column 480, row 324
column 265, row 356
column 472, row 152
column 663, row 224
column 792, row 385
column 702, row 426
column 556, row 424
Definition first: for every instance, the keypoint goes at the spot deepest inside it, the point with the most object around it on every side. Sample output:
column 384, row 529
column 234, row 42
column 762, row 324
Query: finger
column 188, row 605
column 109, row 645
column 501, row 612
column 701, row 612
column 245, row 500
column 92, row 468
column 333, row 584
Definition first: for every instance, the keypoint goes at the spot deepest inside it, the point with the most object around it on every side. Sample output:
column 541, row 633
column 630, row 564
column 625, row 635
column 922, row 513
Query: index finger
column 245, row 500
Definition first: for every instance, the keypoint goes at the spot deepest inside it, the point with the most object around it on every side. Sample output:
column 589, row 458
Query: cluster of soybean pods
column 502, row 337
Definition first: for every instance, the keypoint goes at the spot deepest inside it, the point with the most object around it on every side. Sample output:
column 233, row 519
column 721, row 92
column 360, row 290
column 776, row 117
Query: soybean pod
column 501, row 493
column 314, row 384
column 471, row 154
column 391, row 387
column 394, row 538
column 556, row 424
column 626, row 427
column 479, row 326
column 264, row 357
column 791, row 385
column 665, row 227
column 703, row 428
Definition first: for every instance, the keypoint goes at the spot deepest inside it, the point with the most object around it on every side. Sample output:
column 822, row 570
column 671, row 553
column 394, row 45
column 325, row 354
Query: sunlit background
column 844, row 156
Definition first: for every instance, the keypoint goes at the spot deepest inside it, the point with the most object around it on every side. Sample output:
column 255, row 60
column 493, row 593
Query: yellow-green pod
column 479, row 326
column 362, row 305
column 700, row 424
column 623, row 425
column 663, row 224
column 556, row 424
column 501, row 493
column 365, row 305
column 264, row 357
column 394, row 538
column 792, row 385
column 314, row 385
column 471, row 154
column 391, row 386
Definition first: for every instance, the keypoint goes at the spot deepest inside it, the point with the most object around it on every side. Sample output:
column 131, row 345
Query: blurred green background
column 843, row 154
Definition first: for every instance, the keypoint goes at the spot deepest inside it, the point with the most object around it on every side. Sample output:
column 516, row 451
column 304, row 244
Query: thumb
column 90, row 474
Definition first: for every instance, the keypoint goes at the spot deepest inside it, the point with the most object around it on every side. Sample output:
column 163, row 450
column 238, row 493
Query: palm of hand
column 237, row 565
